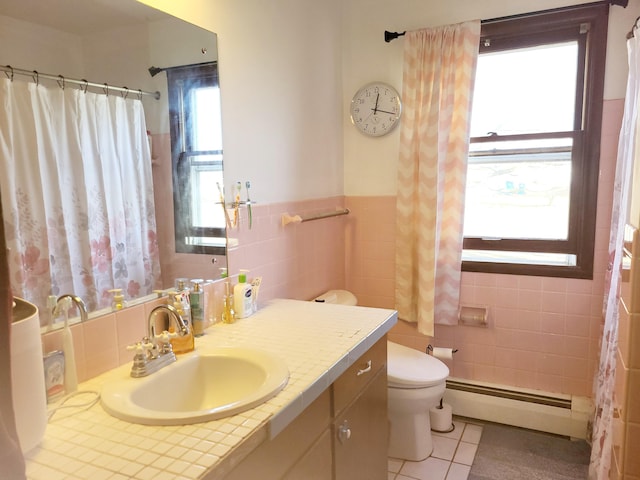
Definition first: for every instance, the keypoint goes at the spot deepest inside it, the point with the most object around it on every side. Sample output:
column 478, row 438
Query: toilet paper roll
column 443, row 353
column 441, row 418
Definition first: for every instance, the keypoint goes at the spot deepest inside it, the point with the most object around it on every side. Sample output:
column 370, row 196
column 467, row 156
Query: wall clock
column 376, row 109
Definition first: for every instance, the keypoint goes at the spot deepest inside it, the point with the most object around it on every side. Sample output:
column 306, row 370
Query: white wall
column 288, row 74
column 281, row 85
column 370, row 164
column 32, row 47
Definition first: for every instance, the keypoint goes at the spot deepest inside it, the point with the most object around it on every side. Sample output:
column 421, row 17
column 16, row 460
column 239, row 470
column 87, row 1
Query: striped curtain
column 438, row 79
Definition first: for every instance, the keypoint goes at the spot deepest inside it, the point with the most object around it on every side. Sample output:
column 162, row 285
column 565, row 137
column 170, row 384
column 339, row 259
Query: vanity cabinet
column 360, row 423
column 343, row 434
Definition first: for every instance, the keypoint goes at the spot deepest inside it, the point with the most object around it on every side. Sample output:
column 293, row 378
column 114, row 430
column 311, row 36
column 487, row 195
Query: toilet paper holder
column 430, row 350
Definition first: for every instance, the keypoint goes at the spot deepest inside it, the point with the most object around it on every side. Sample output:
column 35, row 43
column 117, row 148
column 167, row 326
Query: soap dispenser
column 118, row 299
column 242, row 296
column 184, row 343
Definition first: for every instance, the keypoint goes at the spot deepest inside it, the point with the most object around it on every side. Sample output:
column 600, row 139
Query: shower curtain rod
column 388, row 36
column 84, row 84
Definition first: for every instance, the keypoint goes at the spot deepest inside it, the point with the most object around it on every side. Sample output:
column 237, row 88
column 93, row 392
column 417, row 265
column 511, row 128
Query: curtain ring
column 36, row 77
column 86, row 86
column 106, row 89
column 61, row 81
column 125, row 94
column 10, row 77
column 139, row 94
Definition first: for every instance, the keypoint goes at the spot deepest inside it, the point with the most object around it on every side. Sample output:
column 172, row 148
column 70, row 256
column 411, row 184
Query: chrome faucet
column 155, row 351
column 82, row 308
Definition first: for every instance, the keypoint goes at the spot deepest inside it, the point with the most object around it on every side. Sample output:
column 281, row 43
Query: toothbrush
column 224, row 207
column 248, row 185
column 236, row 212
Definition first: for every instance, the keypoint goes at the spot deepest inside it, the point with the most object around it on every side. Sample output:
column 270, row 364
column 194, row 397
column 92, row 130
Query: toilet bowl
column 415, row 383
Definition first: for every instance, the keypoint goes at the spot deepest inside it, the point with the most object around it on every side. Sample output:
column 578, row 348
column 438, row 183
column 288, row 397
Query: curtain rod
column 84, row 84
column 388, row 36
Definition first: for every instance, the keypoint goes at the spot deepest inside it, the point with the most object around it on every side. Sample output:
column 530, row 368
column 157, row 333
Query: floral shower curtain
column 438, row 79
column 605, row 379
column 77, row 193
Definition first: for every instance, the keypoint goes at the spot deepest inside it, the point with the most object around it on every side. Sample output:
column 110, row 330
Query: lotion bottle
column 196, row 298
column 243, row 296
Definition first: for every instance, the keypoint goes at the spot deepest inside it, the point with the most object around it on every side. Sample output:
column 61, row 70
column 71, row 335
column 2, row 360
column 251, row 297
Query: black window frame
column 180, row 81
column 591, row 23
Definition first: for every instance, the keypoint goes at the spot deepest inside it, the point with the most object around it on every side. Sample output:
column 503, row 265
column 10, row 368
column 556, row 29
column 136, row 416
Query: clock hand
column 375, row 109
column 383, row 111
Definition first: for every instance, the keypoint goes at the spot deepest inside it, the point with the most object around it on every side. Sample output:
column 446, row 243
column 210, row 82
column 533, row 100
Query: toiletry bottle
column 242, row 295
column 184, row 292
column 255, row 289
column 196, row 298
column 228, row 313
column 185, row 343
column 118, row 299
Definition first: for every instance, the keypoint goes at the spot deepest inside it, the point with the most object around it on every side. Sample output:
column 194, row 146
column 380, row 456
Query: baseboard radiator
column 560, row 414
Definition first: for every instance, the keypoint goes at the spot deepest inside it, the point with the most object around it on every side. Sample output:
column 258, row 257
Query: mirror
column 116, row 42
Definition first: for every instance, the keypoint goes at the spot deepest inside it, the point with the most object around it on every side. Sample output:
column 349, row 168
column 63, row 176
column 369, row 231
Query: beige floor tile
column 465, row 453
column 458, row 472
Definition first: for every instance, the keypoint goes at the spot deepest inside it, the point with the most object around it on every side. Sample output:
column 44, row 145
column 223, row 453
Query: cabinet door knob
column 364, row 370
column 344, row 432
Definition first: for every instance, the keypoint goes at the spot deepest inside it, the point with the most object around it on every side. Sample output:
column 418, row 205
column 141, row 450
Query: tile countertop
column 318, row 341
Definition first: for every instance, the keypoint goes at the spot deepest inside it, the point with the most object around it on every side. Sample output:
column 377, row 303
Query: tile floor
column 452, row 456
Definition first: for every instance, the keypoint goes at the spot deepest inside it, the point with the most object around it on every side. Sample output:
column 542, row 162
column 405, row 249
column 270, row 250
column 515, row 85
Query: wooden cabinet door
column 360, row 434
column 316, row 463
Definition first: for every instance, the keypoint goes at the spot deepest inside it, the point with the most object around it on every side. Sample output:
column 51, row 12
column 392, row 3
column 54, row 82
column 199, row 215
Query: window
column 196, row 145
column 535, row 143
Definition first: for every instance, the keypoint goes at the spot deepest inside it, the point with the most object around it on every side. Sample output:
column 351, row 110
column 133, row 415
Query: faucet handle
column 140, row 347
column 166, row 336
column 165, row 341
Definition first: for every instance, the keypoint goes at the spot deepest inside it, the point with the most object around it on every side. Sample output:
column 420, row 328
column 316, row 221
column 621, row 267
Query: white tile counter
column 318, row 342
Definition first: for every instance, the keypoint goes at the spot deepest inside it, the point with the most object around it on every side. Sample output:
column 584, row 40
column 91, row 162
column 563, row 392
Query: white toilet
column 416, row 383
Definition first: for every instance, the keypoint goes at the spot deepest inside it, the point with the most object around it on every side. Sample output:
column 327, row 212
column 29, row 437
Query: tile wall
column 543, row 332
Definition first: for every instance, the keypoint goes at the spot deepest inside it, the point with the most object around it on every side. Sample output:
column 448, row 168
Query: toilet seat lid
column 410, row 368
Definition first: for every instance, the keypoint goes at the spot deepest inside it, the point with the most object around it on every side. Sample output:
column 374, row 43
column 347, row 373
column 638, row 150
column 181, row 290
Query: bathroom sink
column 198, row 387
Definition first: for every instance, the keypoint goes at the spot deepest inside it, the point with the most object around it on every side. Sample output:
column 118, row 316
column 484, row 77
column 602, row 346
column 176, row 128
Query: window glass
column 518, row 196
column 525, row 90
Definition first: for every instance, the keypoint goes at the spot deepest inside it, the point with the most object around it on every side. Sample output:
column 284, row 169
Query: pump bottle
column 242, row 296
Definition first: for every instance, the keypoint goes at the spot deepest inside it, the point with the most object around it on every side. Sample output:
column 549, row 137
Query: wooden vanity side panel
column 273, row 458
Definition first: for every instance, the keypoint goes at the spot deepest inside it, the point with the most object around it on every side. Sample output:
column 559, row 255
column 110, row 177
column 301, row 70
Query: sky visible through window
column 523, row 194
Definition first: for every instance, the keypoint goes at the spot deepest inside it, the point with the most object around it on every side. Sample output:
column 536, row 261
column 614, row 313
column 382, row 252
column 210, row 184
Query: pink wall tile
column 100, row 345
column 131, row 326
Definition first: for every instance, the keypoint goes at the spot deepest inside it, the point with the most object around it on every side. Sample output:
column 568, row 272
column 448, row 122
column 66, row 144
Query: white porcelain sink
column 198, row 387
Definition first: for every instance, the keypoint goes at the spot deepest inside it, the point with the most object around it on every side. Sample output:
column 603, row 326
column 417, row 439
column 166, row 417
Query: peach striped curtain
column 438, row 79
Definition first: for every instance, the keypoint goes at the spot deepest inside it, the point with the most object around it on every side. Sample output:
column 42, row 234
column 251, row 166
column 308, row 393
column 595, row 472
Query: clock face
column 375, row 109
